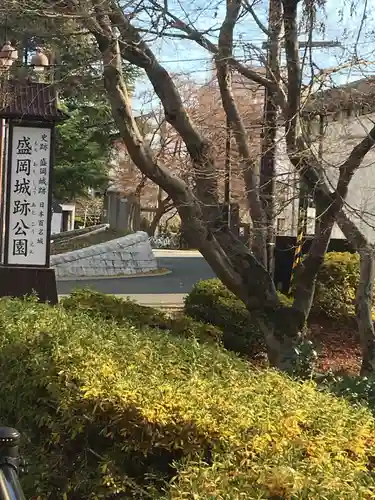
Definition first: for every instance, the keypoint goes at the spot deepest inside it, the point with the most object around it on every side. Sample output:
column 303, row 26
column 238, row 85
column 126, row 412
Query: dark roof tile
column 29, row 101
column 357, row 93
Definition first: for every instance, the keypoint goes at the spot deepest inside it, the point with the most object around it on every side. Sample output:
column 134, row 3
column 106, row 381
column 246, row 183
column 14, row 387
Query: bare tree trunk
column 268, row 159
column 230, row 107
column 163, row 207
column 364, row 301
column 239, row 270
column 364, row 298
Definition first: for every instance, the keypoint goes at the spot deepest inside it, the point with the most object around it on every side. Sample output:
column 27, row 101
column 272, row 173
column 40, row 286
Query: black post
column 10, row 487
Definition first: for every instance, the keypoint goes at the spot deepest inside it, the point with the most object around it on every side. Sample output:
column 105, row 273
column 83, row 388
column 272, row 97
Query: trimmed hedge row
column 214, row 301
column 210, row 301
column 109, row 410
column 110, row 307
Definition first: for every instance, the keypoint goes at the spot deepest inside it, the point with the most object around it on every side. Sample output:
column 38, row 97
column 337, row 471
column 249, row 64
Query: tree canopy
column 83, row 150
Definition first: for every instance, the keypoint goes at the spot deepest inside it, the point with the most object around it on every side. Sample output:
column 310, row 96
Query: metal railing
column 11, row 465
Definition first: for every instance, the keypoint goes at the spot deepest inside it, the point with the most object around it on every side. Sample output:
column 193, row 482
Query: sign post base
column 20, row 281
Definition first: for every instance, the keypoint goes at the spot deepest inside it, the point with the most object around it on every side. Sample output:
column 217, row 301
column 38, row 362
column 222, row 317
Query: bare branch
column 234, row 117
column 294, row 71
column 203, row 41
column 259, row 23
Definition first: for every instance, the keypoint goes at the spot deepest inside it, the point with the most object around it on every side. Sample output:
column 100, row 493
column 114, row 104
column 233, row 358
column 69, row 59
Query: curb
column 161, row 307
column 174, row 307
column 115, row 276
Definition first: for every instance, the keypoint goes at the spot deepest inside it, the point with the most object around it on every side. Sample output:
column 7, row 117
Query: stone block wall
column 126, row 255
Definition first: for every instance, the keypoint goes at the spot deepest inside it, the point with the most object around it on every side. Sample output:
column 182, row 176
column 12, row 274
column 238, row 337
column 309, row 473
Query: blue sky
column 185, row 57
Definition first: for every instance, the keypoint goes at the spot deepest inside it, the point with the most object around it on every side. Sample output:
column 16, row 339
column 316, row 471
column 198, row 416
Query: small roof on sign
column 27, row 100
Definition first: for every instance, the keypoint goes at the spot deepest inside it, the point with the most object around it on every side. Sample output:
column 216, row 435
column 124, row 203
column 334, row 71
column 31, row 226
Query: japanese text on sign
column 28, row 197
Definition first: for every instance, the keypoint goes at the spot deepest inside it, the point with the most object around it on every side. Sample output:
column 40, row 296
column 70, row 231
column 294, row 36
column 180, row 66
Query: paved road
column 187, row 267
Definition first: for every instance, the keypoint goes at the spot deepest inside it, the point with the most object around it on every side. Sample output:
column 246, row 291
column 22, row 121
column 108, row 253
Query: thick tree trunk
column 239, row 270
column 364, row 302
column 282, row 328
column 235, row 266
column 230, row 260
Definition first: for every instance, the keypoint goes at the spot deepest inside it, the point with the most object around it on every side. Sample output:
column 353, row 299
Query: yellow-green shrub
column 114, row 308
column 336, row 286
column 106, row 410
column 211, row 302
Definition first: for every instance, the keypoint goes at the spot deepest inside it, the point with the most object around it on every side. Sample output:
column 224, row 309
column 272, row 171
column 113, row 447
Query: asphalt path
column 186, row 268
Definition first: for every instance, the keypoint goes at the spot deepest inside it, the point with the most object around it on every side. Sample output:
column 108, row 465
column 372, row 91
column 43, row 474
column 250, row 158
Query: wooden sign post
column 27, row 193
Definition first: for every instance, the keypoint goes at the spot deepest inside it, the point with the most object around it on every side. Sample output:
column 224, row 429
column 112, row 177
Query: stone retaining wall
column 127, row 255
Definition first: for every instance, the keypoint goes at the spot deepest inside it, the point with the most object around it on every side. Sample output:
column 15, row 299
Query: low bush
column 211, row 302
column 112, row 411
column 114, row 308
column 358, row 390
column 336, row 286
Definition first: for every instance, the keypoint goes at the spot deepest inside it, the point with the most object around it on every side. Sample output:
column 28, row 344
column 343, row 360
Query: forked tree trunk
column 235, row 266
column 364, row 302
column 282, row 329
column 239, row 270
column 164, row 207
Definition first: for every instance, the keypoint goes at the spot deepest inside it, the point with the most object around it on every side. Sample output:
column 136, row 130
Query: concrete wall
column 127, row 255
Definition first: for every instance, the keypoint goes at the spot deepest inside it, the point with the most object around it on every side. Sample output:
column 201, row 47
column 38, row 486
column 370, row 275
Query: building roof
column 359, row 94
column 29, row 101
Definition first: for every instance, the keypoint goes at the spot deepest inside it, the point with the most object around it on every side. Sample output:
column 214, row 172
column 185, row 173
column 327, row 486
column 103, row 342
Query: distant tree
column 84, row 145
column 85, row 139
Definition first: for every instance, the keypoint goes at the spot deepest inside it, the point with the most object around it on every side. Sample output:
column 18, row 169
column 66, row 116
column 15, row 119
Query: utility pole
column 270, row 127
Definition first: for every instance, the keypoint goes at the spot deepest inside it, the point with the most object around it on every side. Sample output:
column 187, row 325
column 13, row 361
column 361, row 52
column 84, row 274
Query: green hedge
column 211, row 302
column 114, row 411
column 336, row 286
column 110, row 307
